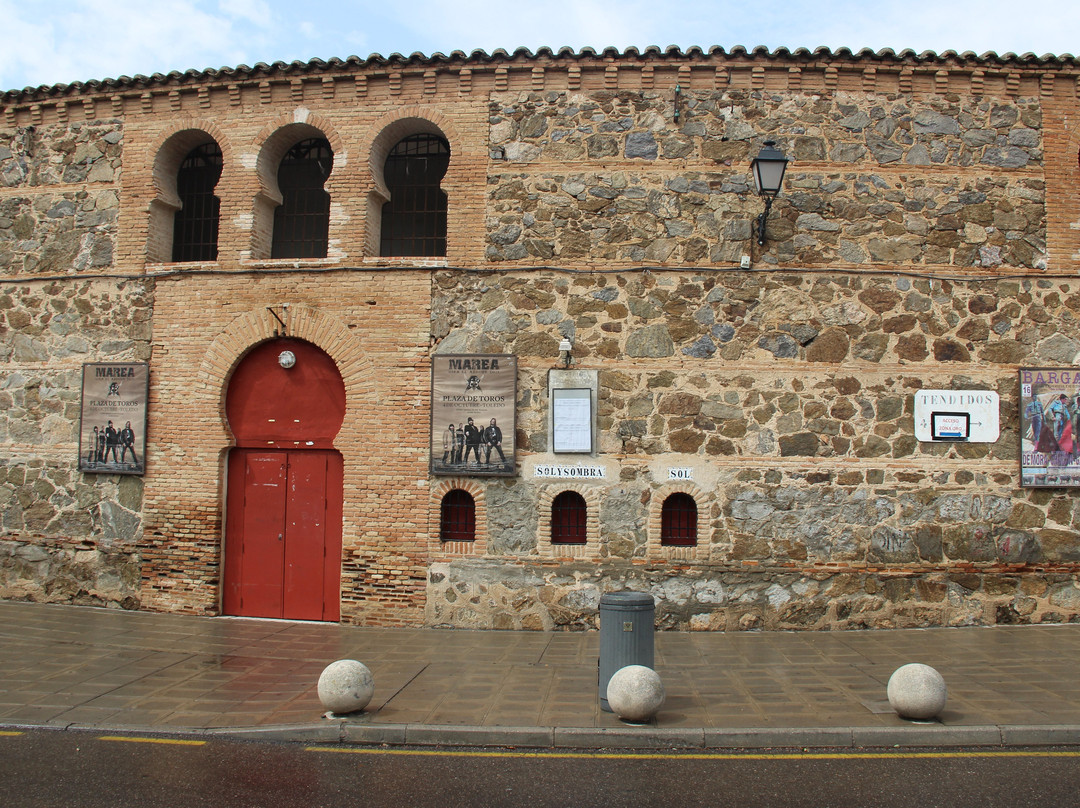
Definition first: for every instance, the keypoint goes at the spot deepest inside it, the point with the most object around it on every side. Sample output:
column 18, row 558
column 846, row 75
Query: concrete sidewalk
column 63, row 666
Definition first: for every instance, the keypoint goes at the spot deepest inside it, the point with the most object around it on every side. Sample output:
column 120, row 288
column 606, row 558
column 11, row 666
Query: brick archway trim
column 303, row 322
column 439, row 490
column 593, row 496
column 270, row 144
column 304, row 116
column 164, row 166
column 656, row 507
column 385, row 133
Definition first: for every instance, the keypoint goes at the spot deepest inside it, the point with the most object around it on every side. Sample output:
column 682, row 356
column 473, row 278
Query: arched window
column 678, row 521
column 195, row 224
column 457, row 517
column 414, row 220
column 568, row 518
column 302, row 220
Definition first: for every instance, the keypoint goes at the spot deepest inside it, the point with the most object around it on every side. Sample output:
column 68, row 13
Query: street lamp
column 768, row 167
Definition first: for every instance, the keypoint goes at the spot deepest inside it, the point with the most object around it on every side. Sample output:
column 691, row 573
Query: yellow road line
column 699, row 755
column 9, row 732
column 127, row 739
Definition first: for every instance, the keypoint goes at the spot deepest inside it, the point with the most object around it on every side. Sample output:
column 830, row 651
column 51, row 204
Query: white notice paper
column 572, row 421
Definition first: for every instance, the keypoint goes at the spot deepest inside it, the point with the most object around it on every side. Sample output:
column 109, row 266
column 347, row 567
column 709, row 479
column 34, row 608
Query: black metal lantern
column 768, row 168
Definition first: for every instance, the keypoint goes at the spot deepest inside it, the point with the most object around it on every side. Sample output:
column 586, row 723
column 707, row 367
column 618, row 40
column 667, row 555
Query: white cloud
column 256, row 12
column 94, row 39
column 476, row 24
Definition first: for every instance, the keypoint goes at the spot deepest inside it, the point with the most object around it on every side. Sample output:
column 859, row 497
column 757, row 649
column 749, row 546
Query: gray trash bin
column 626, row 635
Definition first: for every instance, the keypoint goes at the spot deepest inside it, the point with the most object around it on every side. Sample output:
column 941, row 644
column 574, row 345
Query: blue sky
column 78, row 40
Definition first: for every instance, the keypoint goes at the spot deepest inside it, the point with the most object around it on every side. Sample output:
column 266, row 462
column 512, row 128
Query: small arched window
column 195, row 224
column 678, row 521
column 457, row 518
column 414, row 220
column 302, row 220
column 568, row 518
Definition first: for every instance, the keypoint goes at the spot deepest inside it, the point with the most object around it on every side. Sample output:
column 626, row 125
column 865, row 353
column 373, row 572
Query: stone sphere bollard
column 346, row 686
column 635, row 693
column 917, row 692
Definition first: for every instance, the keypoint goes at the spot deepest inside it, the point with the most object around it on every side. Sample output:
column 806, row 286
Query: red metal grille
column 302, row 220
column 195, row 225
column 678, row 521
column 457, row 520
column 568, row 518
column 414, row 220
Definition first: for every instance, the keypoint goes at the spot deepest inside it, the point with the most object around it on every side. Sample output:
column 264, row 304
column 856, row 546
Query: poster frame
column 452, row 381
column 129, row 382
column 1049, row 402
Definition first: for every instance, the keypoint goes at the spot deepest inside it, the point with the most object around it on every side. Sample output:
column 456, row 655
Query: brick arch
column 386, row 132
column 170, row 148
column 278, row 136
column 593, row 496
column 479, row 494
column 271, row 143
column 303, row 322
column 656, row 506
column 172, row 145
column 383, row 135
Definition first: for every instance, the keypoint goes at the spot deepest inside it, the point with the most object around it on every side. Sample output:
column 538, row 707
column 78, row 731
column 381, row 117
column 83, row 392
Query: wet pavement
column 66, row 666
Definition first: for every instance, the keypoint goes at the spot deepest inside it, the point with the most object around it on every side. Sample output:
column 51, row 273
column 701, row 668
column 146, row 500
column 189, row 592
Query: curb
column 342, row 731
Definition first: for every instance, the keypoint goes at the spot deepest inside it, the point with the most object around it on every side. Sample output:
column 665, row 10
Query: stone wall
column 697, row 217
column 71, row 227
column 858, row 205
column 567, row 596
column 720, row 126
column 790, row 397
column 61, row 154
column 813, row 321
column 67, row 536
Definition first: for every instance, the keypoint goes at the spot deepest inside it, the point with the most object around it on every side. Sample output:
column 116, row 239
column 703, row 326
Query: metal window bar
column 302, row 220
column 678, row 521
column 414, row 220
column 195, row 225
column 569, row 517
column 457, row 520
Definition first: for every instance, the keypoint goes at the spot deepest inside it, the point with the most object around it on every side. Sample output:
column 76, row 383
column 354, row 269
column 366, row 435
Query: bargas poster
column 1050, row 427
column 112, row 429
column 473, row 409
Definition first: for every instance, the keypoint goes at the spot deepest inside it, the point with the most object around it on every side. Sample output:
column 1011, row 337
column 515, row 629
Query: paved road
column 90, row 769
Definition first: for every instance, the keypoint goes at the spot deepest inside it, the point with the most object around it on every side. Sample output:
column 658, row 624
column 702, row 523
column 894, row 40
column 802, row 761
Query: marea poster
column 112, row 429
column 1050, row 427
column 473, row 412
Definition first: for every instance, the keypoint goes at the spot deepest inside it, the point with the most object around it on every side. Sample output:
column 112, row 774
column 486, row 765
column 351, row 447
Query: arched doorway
column 285, row 484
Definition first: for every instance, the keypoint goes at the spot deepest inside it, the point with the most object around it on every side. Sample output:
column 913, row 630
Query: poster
column 1050, row 427
column 112, row 429
column 473, row 407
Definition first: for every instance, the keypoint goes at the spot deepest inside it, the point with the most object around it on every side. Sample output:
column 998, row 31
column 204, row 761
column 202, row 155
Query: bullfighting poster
column 112, row 429
column 1050, row 427
column 473, row 408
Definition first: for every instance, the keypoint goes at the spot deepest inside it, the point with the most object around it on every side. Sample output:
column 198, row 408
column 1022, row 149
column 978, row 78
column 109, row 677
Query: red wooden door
column 283, row 534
